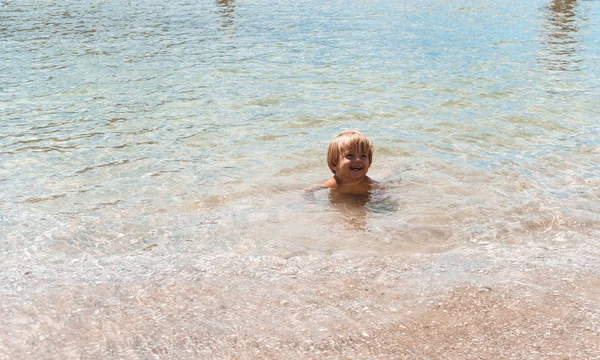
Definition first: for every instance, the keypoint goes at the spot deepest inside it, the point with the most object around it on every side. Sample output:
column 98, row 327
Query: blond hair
column 348, row 139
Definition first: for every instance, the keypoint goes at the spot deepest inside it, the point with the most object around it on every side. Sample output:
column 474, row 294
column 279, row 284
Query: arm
column 309, row 192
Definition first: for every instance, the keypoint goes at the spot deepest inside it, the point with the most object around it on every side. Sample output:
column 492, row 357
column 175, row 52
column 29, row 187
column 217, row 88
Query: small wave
column 61, row 149
column 548, row 222
column 51, row 125
column 33, row 200
column 112, row 163
column 163, row 172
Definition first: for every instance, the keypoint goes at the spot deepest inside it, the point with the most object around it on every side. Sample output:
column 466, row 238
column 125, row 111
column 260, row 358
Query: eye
column 363, row 156
column 349, row 155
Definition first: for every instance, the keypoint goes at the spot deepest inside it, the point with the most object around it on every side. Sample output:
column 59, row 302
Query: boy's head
column 348, row 140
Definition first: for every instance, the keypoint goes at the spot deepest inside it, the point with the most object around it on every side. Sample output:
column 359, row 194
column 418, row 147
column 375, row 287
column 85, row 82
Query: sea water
column 143, row 134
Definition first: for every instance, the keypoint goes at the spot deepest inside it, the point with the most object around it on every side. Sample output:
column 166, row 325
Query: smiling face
column 353, row 164
column 348, row 141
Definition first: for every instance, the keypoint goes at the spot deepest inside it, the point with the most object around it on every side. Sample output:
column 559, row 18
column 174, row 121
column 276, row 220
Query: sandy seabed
column 486, row 302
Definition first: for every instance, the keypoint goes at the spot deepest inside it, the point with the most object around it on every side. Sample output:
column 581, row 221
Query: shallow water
column 138, row 131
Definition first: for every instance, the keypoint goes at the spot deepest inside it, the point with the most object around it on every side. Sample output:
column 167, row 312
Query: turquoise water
column 194, row 124
column 150, row 128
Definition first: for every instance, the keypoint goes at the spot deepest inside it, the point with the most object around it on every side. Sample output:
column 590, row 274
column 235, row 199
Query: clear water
column 141, row 132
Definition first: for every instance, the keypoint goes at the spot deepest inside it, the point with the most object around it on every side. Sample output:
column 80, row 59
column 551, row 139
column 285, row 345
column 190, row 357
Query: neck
column 347, row 182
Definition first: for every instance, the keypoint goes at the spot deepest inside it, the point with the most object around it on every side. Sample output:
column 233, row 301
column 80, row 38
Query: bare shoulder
column 330, row 183
column 370, row 181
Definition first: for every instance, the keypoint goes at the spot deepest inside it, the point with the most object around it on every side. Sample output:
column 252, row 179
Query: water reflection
column 227, row 12
column 355, row 208
column 351, row 208
column 559, row 38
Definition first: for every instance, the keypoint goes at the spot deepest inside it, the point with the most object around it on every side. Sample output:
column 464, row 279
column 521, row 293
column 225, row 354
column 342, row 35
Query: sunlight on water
column 154, row 156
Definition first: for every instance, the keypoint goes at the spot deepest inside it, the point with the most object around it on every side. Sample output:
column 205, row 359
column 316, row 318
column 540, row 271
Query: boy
column 349, row 157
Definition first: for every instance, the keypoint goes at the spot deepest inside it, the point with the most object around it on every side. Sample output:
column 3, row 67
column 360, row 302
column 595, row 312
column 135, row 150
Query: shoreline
column 487, row 302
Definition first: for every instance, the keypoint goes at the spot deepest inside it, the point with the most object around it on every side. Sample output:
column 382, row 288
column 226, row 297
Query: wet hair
column 348, row 139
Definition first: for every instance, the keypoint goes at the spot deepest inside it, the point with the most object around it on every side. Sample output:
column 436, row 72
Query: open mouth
column 356, row 168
